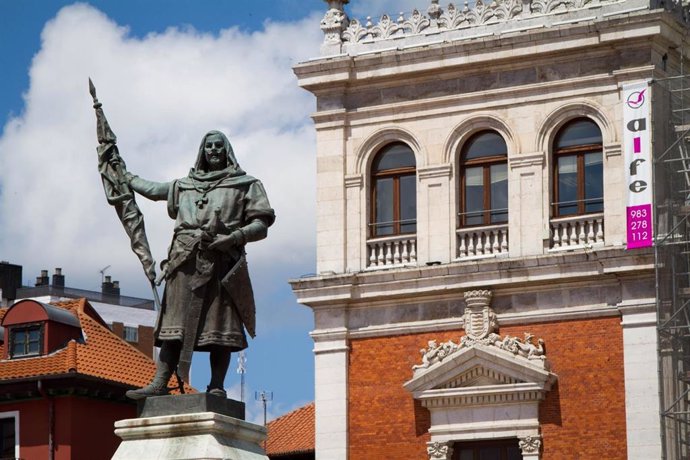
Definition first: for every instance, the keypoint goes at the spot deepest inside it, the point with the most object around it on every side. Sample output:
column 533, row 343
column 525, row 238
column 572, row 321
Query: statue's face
column 214, row 151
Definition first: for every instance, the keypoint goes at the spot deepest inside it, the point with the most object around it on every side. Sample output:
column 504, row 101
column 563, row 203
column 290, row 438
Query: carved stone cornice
column 455, row 16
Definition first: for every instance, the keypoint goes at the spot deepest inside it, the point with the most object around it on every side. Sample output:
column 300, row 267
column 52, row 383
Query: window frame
column 134, row 332
column 579, row 152
column 396, row 174
column 25, row 327
column 485, row 162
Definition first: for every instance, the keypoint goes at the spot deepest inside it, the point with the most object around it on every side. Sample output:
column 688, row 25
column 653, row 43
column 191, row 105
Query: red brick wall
column 583, row 416
column 145, row 342
column 384, row 421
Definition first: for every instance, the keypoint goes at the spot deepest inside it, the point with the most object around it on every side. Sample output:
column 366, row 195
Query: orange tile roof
column 292, row 433
column 103, row 354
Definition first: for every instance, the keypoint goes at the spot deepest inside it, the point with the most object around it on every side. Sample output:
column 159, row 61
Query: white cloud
column 161, row 93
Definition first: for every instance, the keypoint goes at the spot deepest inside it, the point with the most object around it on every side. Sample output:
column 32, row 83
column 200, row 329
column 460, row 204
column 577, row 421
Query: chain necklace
column 203, row 199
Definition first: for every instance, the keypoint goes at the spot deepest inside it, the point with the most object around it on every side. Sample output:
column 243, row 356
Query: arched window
column 393, row 191
column 578, row 170
column 484, row 180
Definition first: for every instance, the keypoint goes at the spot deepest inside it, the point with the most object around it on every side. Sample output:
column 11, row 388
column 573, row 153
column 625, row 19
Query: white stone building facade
column 539, row 227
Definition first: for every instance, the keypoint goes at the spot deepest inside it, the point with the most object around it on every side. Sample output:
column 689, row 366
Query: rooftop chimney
column 110, row 287
column 58, row 278
column 44, row 279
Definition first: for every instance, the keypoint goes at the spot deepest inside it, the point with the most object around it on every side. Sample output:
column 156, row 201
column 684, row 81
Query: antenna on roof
column 242, row 369
column 264, row 397
column 102, row 272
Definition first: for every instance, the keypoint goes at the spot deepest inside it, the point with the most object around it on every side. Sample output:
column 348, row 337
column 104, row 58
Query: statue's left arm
column 152, row 190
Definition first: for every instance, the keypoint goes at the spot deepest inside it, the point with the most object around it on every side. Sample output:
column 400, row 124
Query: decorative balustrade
column 338, row 28
column 392, row 251
column 577, row 232
column 482, row 241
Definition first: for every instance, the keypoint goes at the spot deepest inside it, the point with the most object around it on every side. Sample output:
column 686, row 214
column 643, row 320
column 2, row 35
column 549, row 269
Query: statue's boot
column 220, row 361
column 167, row 362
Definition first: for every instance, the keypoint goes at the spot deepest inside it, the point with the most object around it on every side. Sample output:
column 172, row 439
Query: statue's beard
column 215, row 162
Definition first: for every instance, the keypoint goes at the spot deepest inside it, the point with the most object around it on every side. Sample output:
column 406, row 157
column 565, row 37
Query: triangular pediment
column 480, row 366
column 477, row 376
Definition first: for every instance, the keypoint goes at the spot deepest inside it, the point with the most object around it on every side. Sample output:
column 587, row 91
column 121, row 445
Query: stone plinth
column 189, row 404
column 192, row 435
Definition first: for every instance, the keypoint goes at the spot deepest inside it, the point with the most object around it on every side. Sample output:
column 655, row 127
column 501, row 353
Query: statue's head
column 215, row 153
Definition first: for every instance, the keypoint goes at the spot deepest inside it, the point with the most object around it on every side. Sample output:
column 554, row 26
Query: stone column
column 333, row 24
column 530, row 446
column 331, row 368
column 439, row 450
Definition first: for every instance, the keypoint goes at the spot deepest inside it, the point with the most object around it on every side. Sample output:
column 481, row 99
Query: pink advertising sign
column 638, row 164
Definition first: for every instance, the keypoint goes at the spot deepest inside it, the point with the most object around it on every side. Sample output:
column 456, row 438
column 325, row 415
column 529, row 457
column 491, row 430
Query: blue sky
column 166, row 71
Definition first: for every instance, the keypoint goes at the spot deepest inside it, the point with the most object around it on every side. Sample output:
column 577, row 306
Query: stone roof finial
column 334, row 23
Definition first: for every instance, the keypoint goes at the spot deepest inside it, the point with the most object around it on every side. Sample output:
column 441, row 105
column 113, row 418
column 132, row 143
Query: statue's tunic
column 211, row 203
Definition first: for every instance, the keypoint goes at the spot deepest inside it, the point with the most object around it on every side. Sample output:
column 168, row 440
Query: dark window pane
column 474, row 196
column 466, row 454
column 384, row 207
column 499, row 193
column 514, row 453
column 394, row 156
column 490, row 453
column 18, row 349
column 486, row 144
column 408, row 204
column 567, row 185
column 594, row 182
column 7, row 438
column 19, row 339
column 499, row 449
column 33, row 348
column 578, row 132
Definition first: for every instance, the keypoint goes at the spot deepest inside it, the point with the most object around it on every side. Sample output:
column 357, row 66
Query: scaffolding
column 671, row 124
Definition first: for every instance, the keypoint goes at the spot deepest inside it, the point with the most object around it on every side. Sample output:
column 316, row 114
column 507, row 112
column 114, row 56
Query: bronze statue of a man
column 208, row 301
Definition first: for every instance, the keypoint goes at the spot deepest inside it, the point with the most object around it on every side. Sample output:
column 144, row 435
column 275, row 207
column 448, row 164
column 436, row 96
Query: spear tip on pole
column 92, row 90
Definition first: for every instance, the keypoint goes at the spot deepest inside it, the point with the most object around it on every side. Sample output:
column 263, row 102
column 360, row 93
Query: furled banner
column 637, row 148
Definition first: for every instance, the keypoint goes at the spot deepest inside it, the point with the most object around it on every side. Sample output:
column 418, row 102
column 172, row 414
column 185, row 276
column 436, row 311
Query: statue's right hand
column 226, row 242
column 205, row 239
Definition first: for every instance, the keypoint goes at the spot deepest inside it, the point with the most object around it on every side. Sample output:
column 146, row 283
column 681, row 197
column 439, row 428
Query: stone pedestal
column 196, row 434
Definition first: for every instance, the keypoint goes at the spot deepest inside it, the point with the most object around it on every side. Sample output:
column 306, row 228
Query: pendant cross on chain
column 201, row 201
